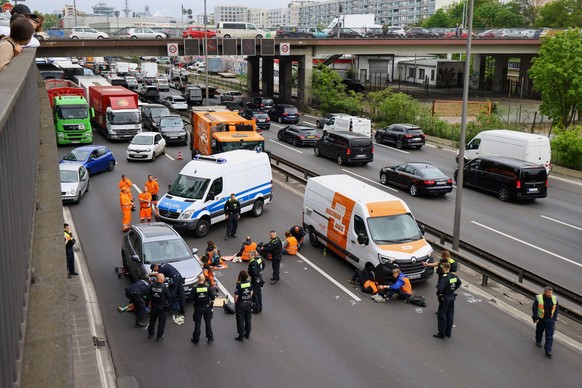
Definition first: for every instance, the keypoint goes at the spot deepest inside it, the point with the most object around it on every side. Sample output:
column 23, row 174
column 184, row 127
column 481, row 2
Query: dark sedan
column 417, row 178
column 261, row 118
column 95, row 158
column 284, row 113
column 344, row 33
column 298, row 135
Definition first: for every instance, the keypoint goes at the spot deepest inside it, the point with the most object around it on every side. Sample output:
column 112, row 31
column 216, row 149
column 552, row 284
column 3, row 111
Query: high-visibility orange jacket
column 292, row 245
column 153, row 186
column 246, row 250
column 145, row 200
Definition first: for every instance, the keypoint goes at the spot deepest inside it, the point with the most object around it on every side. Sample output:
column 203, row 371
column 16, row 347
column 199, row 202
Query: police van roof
column 210, row 164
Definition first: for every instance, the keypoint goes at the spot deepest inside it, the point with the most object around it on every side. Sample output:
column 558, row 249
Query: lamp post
column 459, row 196
column 75, row 11
column 206, row 52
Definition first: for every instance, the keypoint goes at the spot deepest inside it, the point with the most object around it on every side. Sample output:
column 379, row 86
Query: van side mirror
column 210, row 196
column 135, row 258
column 422, row 229
column 194, row 251
column 363, row 239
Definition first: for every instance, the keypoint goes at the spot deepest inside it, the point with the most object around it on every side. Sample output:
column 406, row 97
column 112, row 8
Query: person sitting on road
column 290, row 245
column 400, row 287
column 213, row 253
column 366, row 279
column 208, row 273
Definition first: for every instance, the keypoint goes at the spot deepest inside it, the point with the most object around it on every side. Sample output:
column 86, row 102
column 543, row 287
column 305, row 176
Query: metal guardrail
column 486, row 272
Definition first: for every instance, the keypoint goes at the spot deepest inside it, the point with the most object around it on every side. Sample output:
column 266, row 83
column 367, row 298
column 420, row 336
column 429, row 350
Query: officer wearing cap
column 232, row 214
column 203, row 302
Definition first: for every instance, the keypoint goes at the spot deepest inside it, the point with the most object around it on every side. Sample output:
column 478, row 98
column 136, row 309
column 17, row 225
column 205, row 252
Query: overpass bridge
column 303, row 51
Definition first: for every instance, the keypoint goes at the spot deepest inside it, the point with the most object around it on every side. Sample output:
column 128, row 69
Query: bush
column 567, row 147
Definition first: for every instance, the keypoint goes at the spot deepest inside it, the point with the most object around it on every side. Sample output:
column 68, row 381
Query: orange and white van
column 364, row 225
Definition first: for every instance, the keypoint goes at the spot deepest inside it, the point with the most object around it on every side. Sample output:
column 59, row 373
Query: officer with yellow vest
column 400, row 287
column 246, row 248
column 290, row 245
column 446, row 287
column 544, row 315
column 445, row 258
column 256, row 267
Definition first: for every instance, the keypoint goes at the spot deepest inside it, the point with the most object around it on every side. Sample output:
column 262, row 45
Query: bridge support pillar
column 305, row 75
column 267, row 76
column 500, row 78
column 285, row 79
column 478, row 72
column 253, row 75
column 526, row 83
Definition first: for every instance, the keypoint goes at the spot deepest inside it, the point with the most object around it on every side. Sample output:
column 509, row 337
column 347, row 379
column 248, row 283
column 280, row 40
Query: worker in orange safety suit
column 153, row 188
column 125, row 203
column 125, row 182
column 145, row 205
column 290, row 245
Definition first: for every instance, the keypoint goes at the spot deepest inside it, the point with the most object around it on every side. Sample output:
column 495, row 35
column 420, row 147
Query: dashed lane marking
column 169, row 157
column 561, row 222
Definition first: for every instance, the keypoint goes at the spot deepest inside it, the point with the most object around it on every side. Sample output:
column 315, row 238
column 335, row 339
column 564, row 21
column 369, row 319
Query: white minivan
column 518, row 145
column 240, row 30
column 196, row 198
column 364, row 225
column 355, row 124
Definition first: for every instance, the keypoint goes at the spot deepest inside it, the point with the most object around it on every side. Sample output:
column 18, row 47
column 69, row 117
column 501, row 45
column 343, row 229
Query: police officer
column 275, row 249
column 203, row 302
column 299, row 233
column 137, row 293
column 160, row 296
column 446, row 287
column 69, row 244
column 243, row 302
column 232, row 213
column 445, row 258
column 176, row 284
column 544, row 315
column 256, row 267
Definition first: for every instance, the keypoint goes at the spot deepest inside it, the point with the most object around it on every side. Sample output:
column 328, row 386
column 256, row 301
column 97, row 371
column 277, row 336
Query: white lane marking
column 369, row 180
column 137, row 188
column 325, row 275
column 286, row 146
column 169, row 157
column 528, row 244
column 391, row 148
column 561, row 222
column 568, row 180
column 309, row 124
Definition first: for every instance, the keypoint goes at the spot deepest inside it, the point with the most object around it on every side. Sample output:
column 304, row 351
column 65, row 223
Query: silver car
column 74, row 181
column 145, row 33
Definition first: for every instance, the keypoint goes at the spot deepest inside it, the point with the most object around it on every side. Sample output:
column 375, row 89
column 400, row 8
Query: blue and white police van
column 196, row 198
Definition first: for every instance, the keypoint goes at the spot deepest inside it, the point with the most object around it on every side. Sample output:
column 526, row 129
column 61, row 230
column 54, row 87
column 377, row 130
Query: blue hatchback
column 95, row 158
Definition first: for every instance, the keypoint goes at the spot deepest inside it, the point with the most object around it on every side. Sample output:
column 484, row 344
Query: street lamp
column 206, row 52
column 460, row 164
column 75, row 11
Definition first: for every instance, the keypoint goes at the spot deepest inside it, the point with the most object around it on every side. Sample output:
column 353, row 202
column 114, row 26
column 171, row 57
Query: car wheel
column 316, row 150
column 318, row 124
column 164, row 150
column 159, row 37
column 153, row 156
column 295, row 142
column 399, row 144
column 74, row 37
column 227, row 36
column 202, row 228
column 313, row 239
column 99, row 37
column 378, row 139
column 340, row 160
column 257, row 209
column 413, row 190
column 134, row 37
column 503, row 194
column 87, row 188
column 259, row 36
column 279, row 135
column 111, row 165
column 383, row 178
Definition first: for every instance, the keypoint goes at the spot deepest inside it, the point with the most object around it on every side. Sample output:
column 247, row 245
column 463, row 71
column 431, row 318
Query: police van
column 196, row 198
column 364, row 225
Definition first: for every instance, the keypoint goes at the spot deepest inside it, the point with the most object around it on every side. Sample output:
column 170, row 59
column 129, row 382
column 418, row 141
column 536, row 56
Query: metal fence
column 19, row 145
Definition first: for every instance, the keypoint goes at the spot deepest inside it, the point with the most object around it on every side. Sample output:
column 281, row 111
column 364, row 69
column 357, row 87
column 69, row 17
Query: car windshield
column 159, row 112
column 396, row 229
column 126, row 118
column 170, row 122
column 69, row 176
column 76, row 156
column 72, row 112
column 242, row 145
column 143, row 140
column 165, row 251
column 190, row 187
column 431, row 172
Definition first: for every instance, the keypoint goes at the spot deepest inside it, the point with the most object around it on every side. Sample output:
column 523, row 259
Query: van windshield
column 396, row 229
column 190, row 187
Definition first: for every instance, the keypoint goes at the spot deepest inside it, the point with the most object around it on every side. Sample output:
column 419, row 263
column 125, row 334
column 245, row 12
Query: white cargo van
column 518, row 145
column 196, row 198
column 349, row 123
column 364, row 225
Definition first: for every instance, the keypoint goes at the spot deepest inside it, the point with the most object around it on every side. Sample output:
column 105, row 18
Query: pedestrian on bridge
column 544, row 315
column 446, row 288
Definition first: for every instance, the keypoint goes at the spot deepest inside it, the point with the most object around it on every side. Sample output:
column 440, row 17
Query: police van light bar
column 210, row 159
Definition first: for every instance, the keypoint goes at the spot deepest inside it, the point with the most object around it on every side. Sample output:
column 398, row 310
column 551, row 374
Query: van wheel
column 399, row 144
column 383, row 179
column 313, row 239
column 257, row 209
column 202, row 228
column 316, row 150
column 413, row 190
column 503, row 194
column 339, row 160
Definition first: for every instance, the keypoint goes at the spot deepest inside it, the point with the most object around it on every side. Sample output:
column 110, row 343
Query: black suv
column 156, row 242
column 260, row 103
column 401, row 135
column 292, row 32
column 298, row 135
column 508, row 177
column 345, row 147
column 151, row 115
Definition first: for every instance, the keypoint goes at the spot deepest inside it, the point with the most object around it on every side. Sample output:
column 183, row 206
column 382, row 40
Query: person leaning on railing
column 20, row 34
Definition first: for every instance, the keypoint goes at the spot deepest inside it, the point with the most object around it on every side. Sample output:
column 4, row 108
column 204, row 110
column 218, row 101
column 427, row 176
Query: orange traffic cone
column 179, row 155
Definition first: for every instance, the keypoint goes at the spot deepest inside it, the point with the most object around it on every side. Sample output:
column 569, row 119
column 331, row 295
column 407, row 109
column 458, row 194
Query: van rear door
column 533, row 182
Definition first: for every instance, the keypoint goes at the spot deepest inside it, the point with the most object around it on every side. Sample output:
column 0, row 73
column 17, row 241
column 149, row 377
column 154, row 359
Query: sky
column 157, row 8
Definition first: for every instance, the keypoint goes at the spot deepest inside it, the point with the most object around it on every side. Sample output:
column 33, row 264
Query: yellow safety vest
column 541, row 310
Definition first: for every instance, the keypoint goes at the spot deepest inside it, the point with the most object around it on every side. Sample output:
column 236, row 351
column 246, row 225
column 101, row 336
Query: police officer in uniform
column 544, row 315
column 275, row 249
column 203, row 302
column 445, row 258
column 176, row 284
column 243, row 302
column 137, row 293
column 160, row 296
column 446, row 288
column 69, row 244
column 256, row 267
column 232, row 213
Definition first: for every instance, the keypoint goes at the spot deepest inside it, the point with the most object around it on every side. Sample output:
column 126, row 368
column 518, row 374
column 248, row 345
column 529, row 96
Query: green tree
column 331, row 93
column 557, row 75
column 506, row 18
column 560, row 14
column 438, row 19
column 50, row 21
column 567, row 147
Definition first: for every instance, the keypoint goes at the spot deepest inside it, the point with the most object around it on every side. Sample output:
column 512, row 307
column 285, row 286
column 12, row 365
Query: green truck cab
column 71, row 113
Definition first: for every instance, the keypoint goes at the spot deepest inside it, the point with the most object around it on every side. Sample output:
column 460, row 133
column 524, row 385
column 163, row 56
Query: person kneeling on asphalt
column 137, row 293
column 366, row 279
column 175, row 283
column 400, row 287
